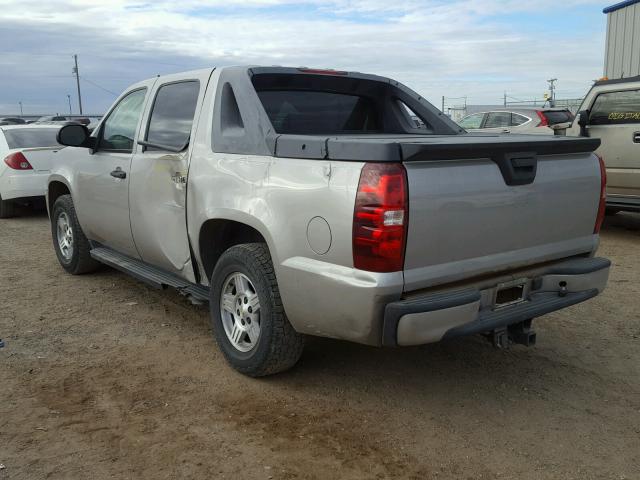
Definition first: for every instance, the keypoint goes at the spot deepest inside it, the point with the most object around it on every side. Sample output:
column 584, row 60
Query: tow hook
column 563, row 289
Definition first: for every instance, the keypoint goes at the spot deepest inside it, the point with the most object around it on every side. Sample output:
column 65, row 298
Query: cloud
column 452, row 48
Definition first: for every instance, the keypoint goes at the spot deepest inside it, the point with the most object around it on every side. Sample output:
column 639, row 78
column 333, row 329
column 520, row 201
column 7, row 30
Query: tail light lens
column 380, row 218
column 603, row 196
column 544, row 121
column 18, row 161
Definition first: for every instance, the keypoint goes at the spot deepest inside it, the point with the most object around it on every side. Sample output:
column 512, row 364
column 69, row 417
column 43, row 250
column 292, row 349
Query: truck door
column 615, row 118
column 159, row 172
column 101, row 197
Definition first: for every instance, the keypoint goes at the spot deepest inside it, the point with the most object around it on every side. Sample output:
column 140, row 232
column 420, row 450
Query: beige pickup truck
column 309, row 202
column 611, row 112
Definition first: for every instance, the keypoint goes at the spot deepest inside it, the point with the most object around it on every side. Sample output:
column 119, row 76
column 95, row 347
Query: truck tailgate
column 465, row 220
column 480, row 203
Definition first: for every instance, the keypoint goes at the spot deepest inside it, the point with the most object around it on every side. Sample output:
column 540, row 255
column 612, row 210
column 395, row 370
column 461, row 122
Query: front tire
column 248, row 319
column 71, row 246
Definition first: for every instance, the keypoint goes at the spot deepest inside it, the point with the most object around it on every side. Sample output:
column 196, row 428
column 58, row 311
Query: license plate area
column 510, row 293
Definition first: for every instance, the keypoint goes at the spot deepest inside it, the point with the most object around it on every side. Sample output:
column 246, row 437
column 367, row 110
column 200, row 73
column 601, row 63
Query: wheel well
column 55, row 190
column 217, row 236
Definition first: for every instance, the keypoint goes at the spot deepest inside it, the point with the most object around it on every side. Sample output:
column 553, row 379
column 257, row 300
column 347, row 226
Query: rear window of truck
column 339, row 103
column 317, row 112
column 31, row 137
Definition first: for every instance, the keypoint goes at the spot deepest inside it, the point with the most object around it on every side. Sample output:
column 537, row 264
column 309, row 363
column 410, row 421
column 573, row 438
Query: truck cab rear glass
column 314, row 104
column 316, row 112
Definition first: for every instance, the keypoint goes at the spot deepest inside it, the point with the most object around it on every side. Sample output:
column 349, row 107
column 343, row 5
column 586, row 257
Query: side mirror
column 74, row 135
column 583, row 121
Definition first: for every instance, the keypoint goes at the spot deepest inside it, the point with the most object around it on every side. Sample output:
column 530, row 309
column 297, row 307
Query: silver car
column 539, row 121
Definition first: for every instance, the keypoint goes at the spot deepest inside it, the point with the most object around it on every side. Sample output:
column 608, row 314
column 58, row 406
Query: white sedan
column 26, row 152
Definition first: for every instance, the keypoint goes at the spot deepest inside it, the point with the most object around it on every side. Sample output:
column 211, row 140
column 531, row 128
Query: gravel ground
column 103, row 377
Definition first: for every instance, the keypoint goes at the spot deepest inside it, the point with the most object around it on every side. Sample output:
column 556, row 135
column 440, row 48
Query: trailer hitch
column 520, row 333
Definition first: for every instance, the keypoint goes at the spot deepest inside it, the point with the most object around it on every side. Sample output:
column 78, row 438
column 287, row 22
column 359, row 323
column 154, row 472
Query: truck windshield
column 316, row 112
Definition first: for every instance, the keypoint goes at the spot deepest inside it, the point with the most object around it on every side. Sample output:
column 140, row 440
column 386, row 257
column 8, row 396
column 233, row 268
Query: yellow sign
column 624, row 116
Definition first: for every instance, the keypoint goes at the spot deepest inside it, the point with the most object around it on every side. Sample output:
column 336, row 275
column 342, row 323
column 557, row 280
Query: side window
column 498, row 119
column 172, row 114
column 472, row 121
column 416, row 121
column 615, row 108
column 517, row 119
column 119, row 129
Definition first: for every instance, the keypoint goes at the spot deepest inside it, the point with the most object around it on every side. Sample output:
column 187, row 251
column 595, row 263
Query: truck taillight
column 602, row 205
column 380, row 218
column 18, row 161
column 544, row 121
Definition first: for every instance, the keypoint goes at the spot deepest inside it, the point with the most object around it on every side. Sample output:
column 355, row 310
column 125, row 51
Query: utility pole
column 69, row 98
column 552, row 93
column 77, row 74
column 442, row 104
column 504, row 99
column 20, row 103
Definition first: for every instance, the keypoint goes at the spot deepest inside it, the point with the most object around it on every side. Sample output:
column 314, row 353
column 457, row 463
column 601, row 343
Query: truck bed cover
column 409, row 148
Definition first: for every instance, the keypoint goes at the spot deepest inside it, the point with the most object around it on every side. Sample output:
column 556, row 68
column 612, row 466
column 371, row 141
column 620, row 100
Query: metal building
column 622, row 51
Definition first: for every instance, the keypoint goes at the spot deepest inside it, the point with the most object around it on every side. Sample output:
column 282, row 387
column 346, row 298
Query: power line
column 85, row 79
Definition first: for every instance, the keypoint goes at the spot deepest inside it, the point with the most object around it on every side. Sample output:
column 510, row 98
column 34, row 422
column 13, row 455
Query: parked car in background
column 540, row 121
column 611, row 112
column 62, row 120
column 12, row 121
column 52, row 118
column 25, row 151
column 310, row 202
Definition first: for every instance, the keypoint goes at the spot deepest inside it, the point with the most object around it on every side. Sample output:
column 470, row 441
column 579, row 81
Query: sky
column 456, row 48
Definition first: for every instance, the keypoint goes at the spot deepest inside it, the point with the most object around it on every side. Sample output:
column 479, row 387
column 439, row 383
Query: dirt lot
column 103, row 377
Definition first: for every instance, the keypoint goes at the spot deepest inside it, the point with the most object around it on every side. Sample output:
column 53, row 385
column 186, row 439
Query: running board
column 148, row 274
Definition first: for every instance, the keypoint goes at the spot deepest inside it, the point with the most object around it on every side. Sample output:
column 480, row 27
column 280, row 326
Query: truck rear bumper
column 623, row 202
column 450, row 314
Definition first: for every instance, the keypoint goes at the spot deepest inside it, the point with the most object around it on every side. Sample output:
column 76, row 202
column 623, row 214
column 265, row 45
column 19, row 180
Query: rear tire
column 7, row 208
column 258, row 341
column 71, row 246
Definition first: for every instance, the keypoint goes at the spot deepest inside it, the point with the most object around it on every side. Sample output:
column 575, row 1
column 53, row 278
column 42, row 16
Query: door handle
column 636, row 137
column 506, row 130
column 118, row 173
